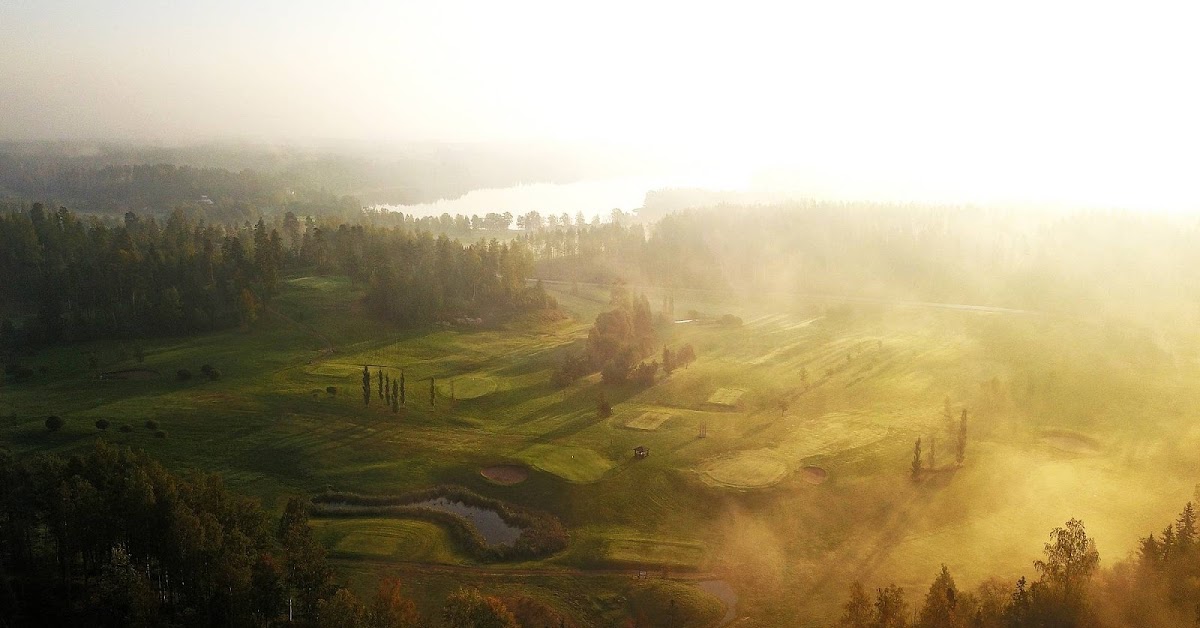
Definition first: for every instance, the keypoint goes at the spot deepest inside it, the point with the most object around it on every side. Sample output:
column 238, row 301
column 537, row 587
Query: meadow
column 800, row 484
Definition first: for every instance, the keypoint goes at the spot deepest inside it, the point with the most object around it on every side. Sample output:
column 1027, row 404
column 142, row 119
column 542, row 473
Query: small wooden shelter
column 640, row 452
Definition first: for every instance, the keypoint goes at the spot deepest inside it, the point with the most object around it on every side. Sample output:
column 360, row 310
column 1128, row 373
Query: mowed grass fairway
column 1065, row 419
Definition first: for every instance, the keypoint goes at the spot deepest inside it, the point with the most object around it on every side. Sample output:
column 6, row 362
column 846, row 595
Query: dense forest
column 73, row 279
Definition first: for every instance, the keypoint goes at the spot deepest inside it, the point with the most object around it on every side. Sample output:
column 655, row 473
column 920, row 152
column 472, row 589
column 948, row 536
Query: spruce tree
column 366, row 379
column 401, row 387
column 432, row 392
column 379, row 375
column 961, row 453
column 916, row 463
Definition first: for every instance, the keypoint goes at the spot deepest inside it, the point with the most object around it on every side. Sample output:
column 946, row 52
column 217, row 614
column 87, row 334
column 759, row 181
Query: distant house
column 640, row 452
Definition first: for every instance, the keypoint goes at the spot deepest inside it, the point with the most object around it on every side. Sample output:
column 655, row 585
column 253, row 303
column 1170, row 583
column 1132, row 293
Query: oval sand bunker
column 745, row 470
column 506, row 474
column 814, row 475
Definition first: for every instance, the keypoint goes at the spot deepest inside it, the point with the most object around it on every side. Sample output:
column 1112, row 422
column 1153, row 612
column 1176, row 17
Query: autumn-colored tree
column 468, row 608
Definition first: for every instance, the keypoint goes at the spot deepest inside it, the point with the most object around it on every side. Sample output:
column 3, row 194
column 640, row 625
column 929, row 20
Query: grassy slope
column 789, row 549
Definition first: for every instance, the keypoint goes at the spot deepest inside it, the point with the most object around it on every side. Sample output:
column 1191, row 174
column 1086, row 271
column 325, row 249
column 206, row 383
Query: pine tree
column 379, row 375
column 1168, row 544
column 366, row 379
column 960, row 454
column 941, row 602
column 432, row 392
column 402, row 387
column 916, row 463
column 1185, row 529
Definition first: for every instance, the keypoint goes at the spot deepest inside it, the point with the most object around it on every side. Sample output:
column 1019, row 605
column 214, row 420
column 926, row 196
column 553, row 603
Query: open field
column 1066, row 419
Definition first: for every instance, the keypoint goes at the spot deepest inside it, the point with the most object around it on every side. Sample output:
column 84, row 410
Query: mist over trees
column 1050, row 261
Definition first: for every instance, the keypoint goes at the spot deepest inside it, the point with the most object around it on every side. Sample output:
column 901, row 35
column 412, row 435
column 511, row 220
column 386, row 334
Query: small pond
column 493, row 529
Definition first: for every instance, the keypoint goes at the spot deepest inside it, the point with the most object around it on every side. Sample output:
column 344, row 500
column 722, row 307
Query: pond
column 493, row 529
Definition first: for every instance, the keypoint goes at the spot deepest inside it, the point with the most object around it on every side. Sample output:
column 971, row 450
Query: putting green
column 569, row 462
column 399, row 539
column 747, row 469
column 649, row 421
column 467, row 387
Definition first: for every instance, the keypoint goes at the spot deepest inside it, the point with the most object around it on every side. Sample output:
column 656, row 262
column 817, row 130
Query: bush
column 160, row 434
column 206, row 369
column 54, row 423
column 332, row 390
column 603, row 408
column 151, row 424
column 214, row 374
column 102, row 424
column 643, row 375
column 127, row 428
column 183, row 375
column 730, row 320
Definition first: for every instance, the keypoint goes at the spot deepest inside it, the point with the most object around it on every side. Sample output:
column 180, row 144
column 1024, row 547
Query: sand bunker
column 814, row 475
column 506, row 474
column 749, row 469
column 649, row 421
column 1071, row 442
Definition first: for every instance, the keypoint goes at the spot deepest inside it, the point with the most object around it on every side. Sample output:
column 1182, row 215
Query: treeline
column 94, row 279
column 111, row 538
column 1081, row 262
column 216, row 195
column 1158, row 588
column 73, row 279
column 240, row 182
column 413, row 277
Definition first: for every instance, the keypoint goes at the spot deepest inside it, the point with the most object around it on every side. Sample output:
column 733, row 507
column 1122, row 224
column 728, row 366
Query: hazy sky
column 1048, row 98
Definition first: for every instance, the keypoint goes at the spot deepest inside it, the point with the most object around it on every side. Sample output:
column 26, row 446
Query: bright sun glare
column 1062, row 102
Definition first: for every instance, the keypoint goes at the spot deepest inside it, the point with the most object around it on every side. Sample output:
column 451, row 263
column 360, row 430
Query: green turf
column 395, row 539
column 1066, row 419
column 569, row 462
